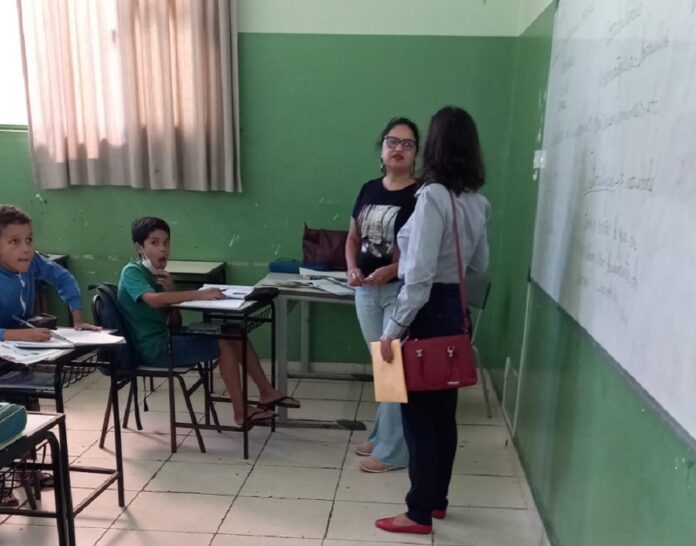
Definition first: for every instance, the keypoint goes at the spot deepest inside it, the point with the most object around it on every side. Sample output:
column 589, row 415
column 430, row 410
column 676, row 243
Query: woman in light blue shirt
column 428, row 303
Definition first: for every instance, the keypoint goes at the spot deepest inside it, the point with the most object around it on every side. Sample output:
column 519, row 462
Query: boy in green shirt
column 145, row 290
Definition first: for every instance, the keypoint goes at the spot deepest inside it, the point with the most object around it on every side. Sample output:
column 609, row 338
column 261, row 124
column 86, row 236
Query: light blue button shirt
column 428, row 251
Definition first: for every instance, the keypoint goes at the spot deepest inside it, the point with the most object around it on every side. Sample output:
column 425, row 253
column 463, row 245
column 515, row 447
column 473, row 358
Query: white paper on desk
column 339, row 275
column 215, row 305
column 333, row 287
column 26, row 356
column 75, row 338
column 233, row 291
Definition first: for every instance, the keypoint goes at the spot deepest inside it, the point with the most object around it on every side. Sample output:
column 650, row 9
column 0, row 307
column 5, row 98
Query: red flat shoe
column 440, row 514
column 387, row 524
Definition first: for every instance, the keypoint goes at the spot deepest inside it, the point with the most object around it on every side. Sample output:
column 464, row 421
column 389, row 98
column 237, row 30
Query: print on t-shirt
column 377, row 231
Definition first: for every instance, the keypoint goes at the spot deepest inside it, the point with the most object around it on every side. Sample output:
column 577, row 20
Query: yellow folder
column 389, row 379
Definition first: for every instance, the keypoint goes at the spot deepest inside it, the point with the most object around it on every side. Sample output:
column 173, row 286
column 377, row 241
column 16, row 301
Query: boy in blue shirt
column 20, row 267
column 146, row 289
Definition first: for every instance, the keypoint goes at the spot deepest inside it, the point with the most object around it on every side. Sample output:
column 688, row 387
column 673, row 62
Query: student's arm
column 136, row 283
column 157, row 300
column 63, row 281
column 355, row 276
column 25, row 334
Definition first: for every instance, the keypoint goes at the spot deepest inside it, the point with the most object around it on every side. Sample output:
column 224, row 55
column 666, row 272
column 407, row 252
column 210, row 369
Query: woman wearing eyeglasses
column 382, row 207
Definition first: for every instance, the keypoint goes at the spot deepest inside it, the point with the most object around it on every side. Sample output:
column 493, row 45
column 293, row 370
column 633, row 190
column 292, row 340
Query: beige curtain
column 139, row 93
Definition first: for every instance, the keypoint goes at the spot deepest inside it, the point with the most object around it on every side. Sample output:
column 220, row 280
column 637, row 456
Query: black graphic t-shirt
column 379, row 215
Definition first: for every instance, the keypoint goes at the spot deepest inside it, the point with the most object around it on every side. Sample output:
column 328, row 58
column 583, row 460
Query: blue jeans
column 187, row 351
column 374, row 305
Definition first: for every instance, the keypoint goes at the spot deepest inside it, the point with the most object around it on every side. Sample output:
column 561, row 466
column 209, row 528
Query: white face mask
column 146, row 262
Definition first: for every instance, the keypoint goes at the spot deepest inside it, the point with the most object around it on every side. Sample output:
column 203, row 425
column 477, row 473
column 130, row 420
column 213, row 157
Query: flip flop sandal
column 282, row 402
column 261, row 417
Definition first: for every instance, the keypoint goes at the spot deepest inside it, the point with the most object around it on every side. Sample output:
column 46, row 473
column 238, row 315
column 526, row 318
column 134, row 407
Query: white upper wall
column 390, row 17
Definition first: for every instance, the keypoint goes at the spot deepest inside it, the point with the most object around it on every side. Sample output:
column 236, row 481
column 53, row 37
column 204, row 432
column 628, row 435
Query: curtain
column 139, row 93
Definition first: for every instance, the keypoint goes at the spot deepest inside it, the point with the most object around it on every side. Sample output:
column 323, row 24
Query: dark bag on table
column 324, row 248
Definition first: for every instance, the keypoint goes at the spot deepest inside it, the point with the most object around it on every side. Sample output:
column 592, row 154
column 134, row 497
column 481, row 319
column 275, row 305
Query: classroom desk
column 288, row 298
column 39, row 429
column 46, row 380
column 192, row 274
column 223, row 323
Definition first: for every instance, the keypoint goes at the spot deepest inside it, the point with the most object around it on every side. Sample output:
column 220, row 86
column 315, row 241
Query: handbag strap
column 460, row 268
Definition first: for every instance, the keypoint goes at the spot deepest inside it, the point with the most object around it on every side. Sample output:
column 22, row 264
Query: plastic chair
column 478, row 287
column 125, row 364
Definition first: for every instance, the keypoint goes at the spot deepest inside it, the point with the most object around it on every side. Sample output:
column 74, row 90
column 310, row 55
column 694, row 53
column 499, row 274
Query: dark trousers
column 429, row 418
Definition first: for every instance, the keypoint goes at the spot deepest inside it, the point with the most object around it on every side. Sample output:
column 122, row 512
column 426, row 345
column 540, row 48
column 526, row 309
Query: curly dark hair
column 452, row 155
column 142, row 227
column 9, row 215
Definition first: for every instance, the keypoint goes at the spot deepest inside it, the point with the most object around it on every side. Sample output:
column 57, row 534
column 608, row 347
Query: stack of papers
column 334, row 287
column 231, row 291
column 339, row 275
column 67, row 338
column 14, row 354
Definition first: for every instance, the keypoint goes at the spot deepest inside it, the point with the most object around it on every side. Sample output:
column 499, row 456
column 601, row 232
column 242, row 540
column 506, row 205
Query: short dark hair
column 452, row 155
column 142, row 227
column 9, row 215
column 394, row 122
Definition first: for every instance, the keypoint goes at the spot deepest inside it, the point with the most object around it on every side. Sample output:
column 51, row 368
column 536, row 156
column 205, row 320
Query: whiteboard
column 615, row 235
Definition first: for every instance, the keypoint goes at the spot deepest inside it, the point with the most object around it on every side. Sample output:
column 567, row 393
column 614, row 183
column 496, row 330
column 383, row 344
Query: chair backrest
column 107, row 314
column 478, row 287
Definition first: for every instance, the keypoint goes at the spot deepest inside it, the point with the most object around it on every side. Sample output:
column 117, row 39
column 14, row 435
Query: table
column 39, row 429
column 287, row 298
column 230, row 324
column 46, row 380
column 192, row 274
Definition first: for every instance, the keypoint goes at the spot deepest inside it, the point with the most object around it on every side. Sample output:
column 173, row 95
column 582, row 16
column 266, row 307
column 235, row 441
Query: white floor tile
column 307, row 454
column 23, row 534
column 485, row 527
column 297, row 518
column 136, row 445
column 291, row 483
column 136, row 472
column 298, row 485
column 325, row 410
column 328, row 390
column 185, row 512
column 359, row 486
column 367, row 412
column 237, row 540
column 485, row 491
column 122, row 537
column 485, row 461
column 209, row 478
column 356, row 521
column 482, row 436
column 225, row 448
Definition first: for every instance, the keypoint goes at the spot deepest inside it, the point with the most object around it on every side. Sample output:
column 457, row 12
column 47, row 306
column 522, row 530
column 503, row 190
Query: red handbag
column 443, row 362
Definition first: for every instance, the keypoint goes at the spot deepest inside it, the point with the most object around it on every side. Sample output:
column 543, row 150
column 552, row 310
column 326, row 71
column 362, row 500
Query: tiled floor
column 300, row 486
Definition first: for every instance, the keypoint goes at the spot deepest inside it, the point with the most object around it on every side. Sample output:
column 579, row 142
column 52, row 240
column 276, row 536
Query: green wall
column 312, row 108
column 606, row 467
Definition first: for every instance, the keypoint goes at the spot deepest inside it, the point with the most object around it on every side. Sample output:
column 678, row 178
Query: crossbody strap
column 460, row 267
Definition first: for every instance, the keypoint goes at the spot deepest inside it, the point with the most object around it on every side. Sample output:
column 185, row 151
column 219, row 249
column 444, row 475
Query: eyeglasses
column 407, row 144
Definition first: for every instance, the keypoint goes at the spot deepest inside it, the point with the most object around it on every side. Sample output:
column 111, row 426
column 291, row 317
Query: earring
column 381, row 166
